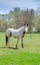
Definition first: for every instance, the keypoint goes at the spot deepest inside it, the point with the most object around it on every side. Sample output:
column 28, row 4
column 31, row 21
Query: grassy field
column 29, row 55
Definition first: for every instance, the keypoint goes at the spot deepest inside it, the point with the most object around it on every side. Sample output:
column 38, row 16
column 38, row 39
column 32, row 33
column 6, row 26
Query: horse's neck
column 22, row 28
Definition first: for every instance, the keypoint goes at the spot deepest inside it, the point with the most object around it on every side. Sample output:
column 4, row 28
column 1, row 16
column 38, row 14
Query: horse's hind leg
column 17, row 42
column 6, row 40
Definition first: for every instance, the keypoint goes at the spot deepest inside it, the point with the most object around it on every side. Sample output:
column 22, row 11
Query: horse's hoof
column 8, row 47
column 16, row 47
column 22, row 47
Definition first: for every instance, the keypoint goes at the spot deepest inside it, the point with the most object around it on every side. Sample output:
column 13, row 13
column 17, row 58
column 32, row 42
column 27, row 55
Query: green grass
column 29, row 55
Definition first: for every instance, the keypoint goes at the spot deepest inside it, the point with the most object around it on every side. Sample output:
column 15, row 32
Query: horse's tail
column 6, row 40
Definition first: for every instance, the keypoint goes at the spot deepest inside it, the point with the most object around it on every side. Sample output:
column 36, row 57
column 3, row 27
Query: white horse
column 16, row 33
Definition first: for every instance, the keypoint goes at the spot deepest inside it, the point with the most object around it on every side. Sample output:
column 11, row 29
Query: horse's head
column 26, row 28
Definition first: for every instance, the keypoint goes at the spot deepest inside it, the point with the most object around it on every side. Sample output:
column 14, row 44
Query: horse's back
column 13, row 32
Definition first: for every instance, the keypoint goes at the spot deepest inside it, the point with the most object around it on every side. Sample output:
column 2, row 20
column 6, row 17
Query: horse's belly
column 15, row 35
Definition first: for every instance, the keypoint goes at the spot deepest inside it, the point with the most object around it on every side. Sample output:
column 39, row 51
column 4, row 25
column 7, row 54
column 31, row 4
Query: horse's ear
column 27, row 24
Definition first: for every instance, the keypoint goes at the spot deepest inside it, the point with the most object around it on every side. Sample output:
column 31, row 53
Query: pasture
column 29, row 55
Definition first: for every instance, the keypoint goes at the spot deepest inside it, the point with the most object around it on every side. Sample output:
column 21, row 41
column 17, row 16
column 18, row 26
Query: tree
column 38, row 24
column 16, row 10
column 25, row 17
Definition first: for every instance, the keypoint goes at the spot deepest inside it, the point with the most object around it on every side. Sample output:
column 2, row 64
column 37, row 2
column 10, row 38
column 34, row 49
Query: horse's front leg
column 22, row 42
column 17, row 42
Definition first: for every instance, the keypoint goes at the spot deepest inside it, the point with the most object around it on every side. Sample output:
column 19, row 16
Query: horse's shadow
column 10, row 48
